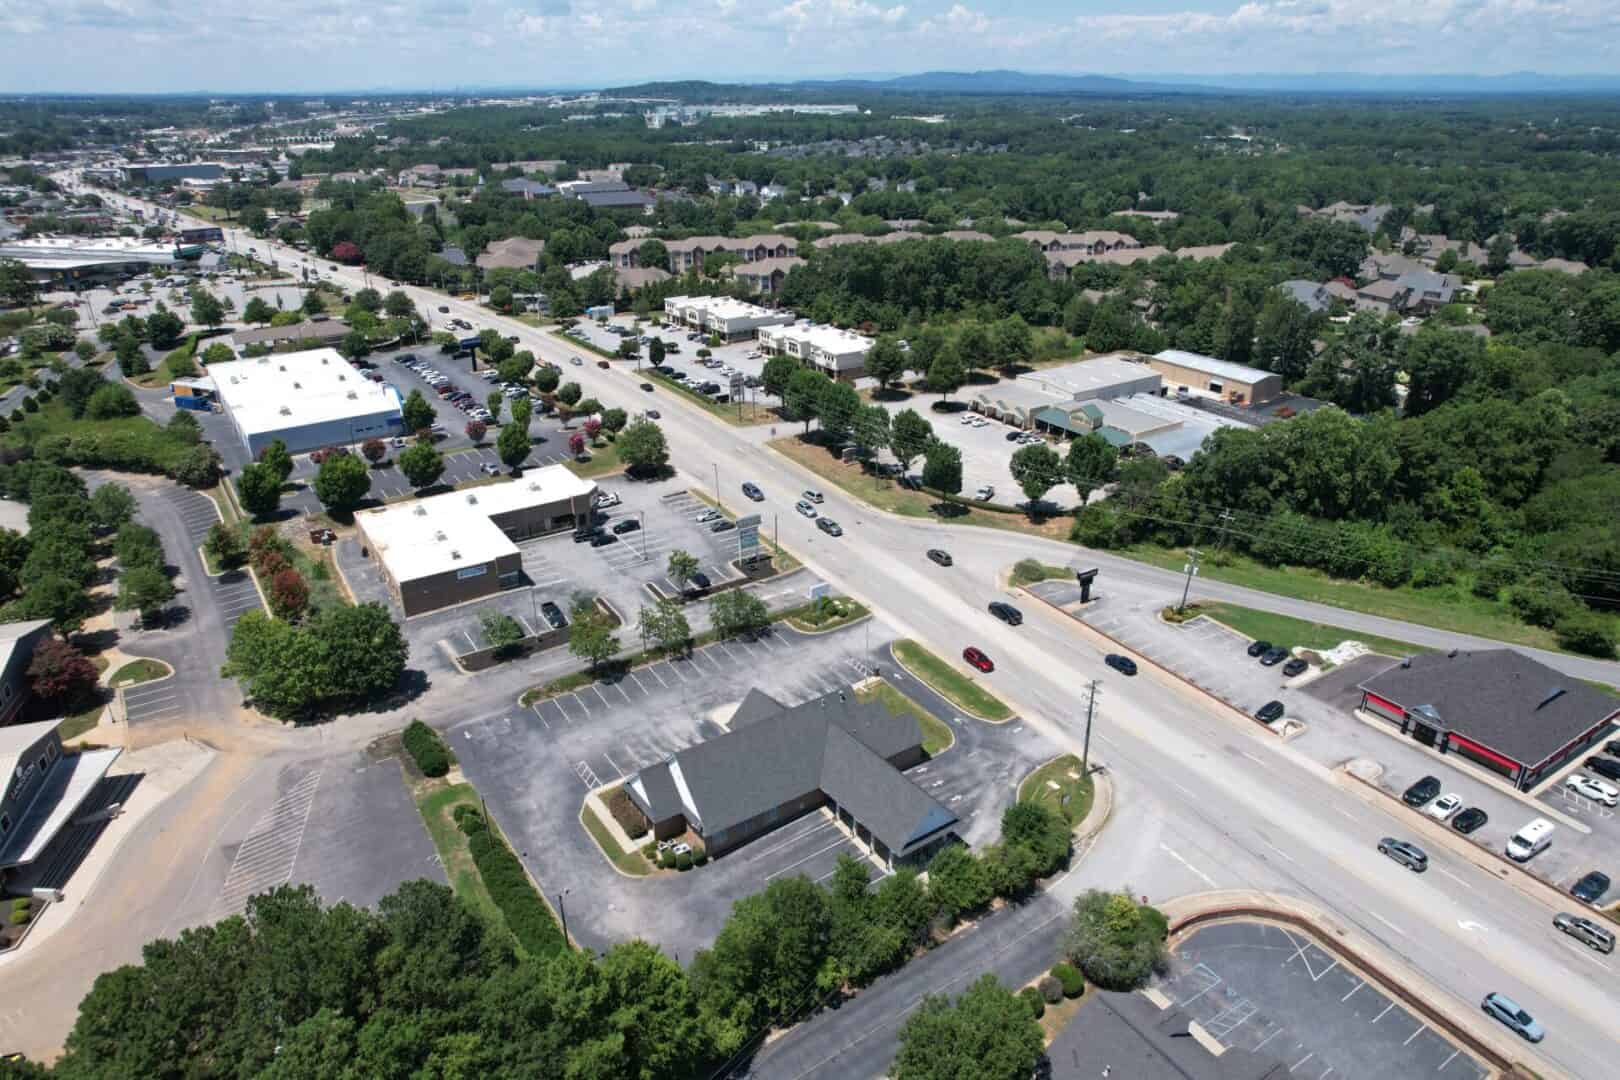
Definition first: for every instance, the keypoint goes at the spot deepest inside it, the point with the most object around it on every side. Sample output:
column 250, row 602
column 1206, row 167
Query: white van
column 1530, row 841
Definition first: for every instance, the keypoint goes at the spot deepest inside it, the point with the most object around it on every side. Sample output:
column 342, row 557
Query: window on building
column 1215, row 387
column 5, row 824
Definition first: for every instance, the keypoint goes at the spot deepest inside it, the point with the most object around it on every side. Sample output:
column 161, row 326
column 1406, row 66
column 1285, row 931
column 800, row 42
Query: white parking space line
column 638, row 682
column 704, row 654
column 598, row 688
column 653, row 671
column 677, row 672
column 1380, row 1016
column 621, row 690
column 541, row 715
column 837, row 843
column 609, row 758
column 815, row 827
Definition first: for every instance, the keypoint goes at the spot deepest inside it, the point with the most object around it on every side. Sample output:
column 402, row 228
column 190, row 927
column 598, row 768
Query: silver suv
column 1585, row 931
column 1408, row 855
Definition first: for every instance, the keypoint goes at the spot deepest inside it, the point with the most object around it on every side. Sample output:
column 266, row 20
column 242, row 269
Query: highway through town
column 1208, row 801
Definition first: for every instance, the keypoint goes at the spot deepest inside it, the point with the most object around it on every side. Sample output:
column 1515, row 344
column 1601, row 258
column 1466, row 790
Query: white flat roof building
column 839, row 353
column 724, row 315
column 1101, row 377
column 434, row 535
column 307, row 399
column 63, row 258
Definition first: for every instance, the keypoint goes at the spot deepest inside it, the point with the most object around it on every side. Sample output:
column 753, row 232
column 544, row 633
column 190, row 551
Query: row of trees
column 340, row 656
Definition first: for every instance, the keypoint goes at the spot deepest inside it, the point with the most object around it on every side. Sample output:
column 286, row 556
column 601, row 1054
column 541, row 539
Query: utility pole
column 1085, row 747
column 1191, row 569
column 719, row 501
column 1226, row 518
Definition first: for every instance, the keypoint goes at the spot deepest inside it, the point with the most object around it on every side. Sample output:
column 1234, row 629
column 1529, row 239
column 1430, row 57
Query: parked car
column 1270, row 712
column 1585, row 931
column 586, row 532
column 1273, row 656
column 628, row 525
column 607, row 498
column 603, row 539
column 1421, row 793
column 553, row 615
column 444, row 309
column 1591, row 887
column 830, row 527
column 723, row 525
column 576, row 361
column 1006, row 613
column 647, row 386
column 1259, row 648
column 489, row 469
column 1443, row 807
column 1407, row 854
column 1596, row 790
column 1513, row 1015
column 943, row 558
column 1469, row 820
column 1296, row 666
column 1609, row 770
column 985, row 493
column 1122, row 664
column 751, row 490
column 978, row 659
column 805, row 508
column 706, row 516
column 1612, row 747
column 654, row 414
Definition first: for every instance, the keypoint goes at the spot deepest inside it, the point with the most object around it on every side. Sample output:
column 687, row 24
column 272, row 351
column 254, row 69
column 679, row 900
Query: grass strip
column 139, row 671
column 937, row 734
column 437, row 806
column 1072, row 795
column 631, row 862
column 949, row 683
column 1287, row 632
column 527, row 914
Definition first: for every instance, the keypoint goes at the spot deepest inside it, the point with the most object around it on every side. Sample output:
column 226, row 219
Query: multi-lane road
column 1206, row 802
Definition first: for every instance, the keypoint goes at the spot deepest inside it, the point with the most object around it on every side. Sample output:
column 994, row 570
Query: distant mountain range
column 1007, row 82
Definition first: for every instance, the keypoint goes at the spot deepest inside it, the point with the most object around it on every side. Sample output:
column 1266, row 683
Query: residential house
column 778, row 763
column 1312, row 295
column 688, row 254
column 1093, row 242
column 632, row 278
column 515, row 252
column 765, row 276
column 1365, row 216
column 966, row 234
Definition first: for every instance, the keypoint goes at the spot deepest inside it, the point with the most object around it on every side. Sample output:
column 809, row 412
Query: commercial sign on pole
column 748, row 542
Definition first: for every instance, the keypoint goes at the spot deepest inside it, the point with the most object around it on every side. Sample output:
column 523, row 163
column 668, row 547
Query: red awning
column 1483, row 751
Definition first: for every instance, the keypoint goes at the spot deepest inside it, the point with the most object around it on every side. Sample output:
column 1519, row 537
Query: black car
column 444, row 309
column 1469, row 820
column 603, row 539
column 1013, row 436
column 1591, row 887
column 647, row 386
column 653, row 414
column 1296, row 666
column 1006, row 613
column 1122, row 664
column 751, row 490
column 586, row 532
column 1612, row 747
column 941, row 557
column 553, row 615
column 664, row 369
column 628, row 525
column 1259, row 648
column 1273, row 656
column 698, row 582
column 723, row 525
column 1607, row 768
column 1270, row 712
column 1422, row 793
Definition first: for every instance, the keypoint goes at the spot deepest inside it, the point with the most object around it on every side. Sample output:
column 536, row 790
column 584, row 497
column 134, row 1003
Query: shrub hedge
column 527, row 915
column 1032, row 997
column 1051, row 989
column 432, row 757
column 1074, row 983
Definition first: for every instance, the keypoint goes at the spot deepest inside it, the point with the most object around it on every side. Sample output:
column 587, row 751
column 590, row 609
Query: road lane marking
column 1167, row 849
column 1387, row 923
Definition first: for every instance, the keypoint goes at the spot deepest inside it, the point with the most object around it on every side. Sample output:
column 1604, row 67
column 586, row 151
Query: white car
column 985, row 494
column 607, row 498
column 1596, row 790
column 806, row 509
column 1443, row 807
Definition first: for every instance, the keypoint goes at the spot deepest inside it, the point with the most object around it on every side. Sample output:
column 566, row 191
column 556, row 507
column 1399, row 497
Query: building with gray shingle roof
column 778, row 763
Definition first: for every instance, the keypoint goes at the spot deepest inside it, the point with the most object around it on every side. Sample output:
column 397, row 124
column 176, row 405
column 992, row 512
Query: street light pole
column 717, row 497
column 1191, row 568
column 563, row 911
column 1085, row 746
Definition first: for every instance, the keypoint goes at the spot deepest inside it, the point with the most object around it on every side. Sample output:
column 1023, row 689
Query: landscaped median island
column 1061, row 787
column 1289, row 632
column 1029, row 571
column 634, row 862
column 949, row 683
column 139, row 671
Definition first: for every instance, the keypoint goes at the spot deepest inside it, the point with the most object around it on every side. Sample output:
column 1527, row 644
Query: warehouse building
column 1101, row 378
column 139, row 174
column 732, row 319
column 1200, row 374
column 779, row 763
column 840, row 354
column 306, row 399
column 83, row 261
column 451, row 548
column 1498, row 708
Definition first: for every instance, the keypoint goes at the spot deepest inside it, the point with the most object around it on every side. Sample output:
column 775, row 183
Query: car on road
column 576, row 361
column 553, row 615
column 975, row 656
column 444, row 309
column 1122, row 664
column 1421, row 793
column 647, row 386
column 1469, row 820
column 1585, row 931
column 1596, row 790
column 1609, row 770
column 654, row 414
column 1513, row 1015
column 628, row 525
column 1270, row 712
column 940, row 556
column 1407, row 854
column 1006, row 613
column 1591, row 887
column 751, row 490
column 830, row 527
column 1296, row 666
column 1273, row 656
column 811, row 495
column 805, row 508
column 1443, row 807
column 1259, row 648
column 603, row 539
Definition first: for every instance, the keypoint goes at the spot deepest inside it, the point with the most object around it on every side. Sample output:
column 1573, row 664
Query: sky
column 313, row 45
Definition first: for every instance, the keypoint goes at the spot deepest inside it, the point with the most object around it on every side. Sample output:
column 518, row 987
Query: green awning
column 1055, row 417
column 1115, row 436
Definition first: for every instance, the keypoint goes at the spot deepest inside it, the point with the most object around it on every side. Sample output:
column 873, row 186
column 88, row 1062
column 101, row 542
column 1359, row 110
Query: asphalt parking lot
column 233, row 591
column 344, row 824
column 1274, row 991
column 986, row 453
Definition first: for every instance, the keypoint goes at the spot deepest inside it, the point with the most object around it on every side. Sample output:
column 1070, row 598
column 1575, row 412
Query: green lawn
column 1037, row 787
column 1029, row 571
column 178, row 362
column 937, row 734
column 82, row 721
column 815, row 617
column 139, row 671
column 604, row 461
column 314, row 563
column 437, row 805
column 631, row 862
column 127, row 438
column 1288, row 632
column 955, row 687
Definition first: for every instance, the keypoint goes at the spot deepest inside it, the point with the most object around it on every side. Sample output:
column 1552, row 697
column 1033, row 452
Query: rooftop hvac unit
column 298, row 386
column 281, row 367
column 323, row 361
column 455, row 556
column 353, row 396
column 286, row 410
column 472, row 499
column 439, row 535
column 421, row 511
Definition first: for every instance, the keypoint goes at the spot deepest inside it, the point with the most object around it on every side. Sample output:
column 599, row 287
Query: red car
column 978, row 659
